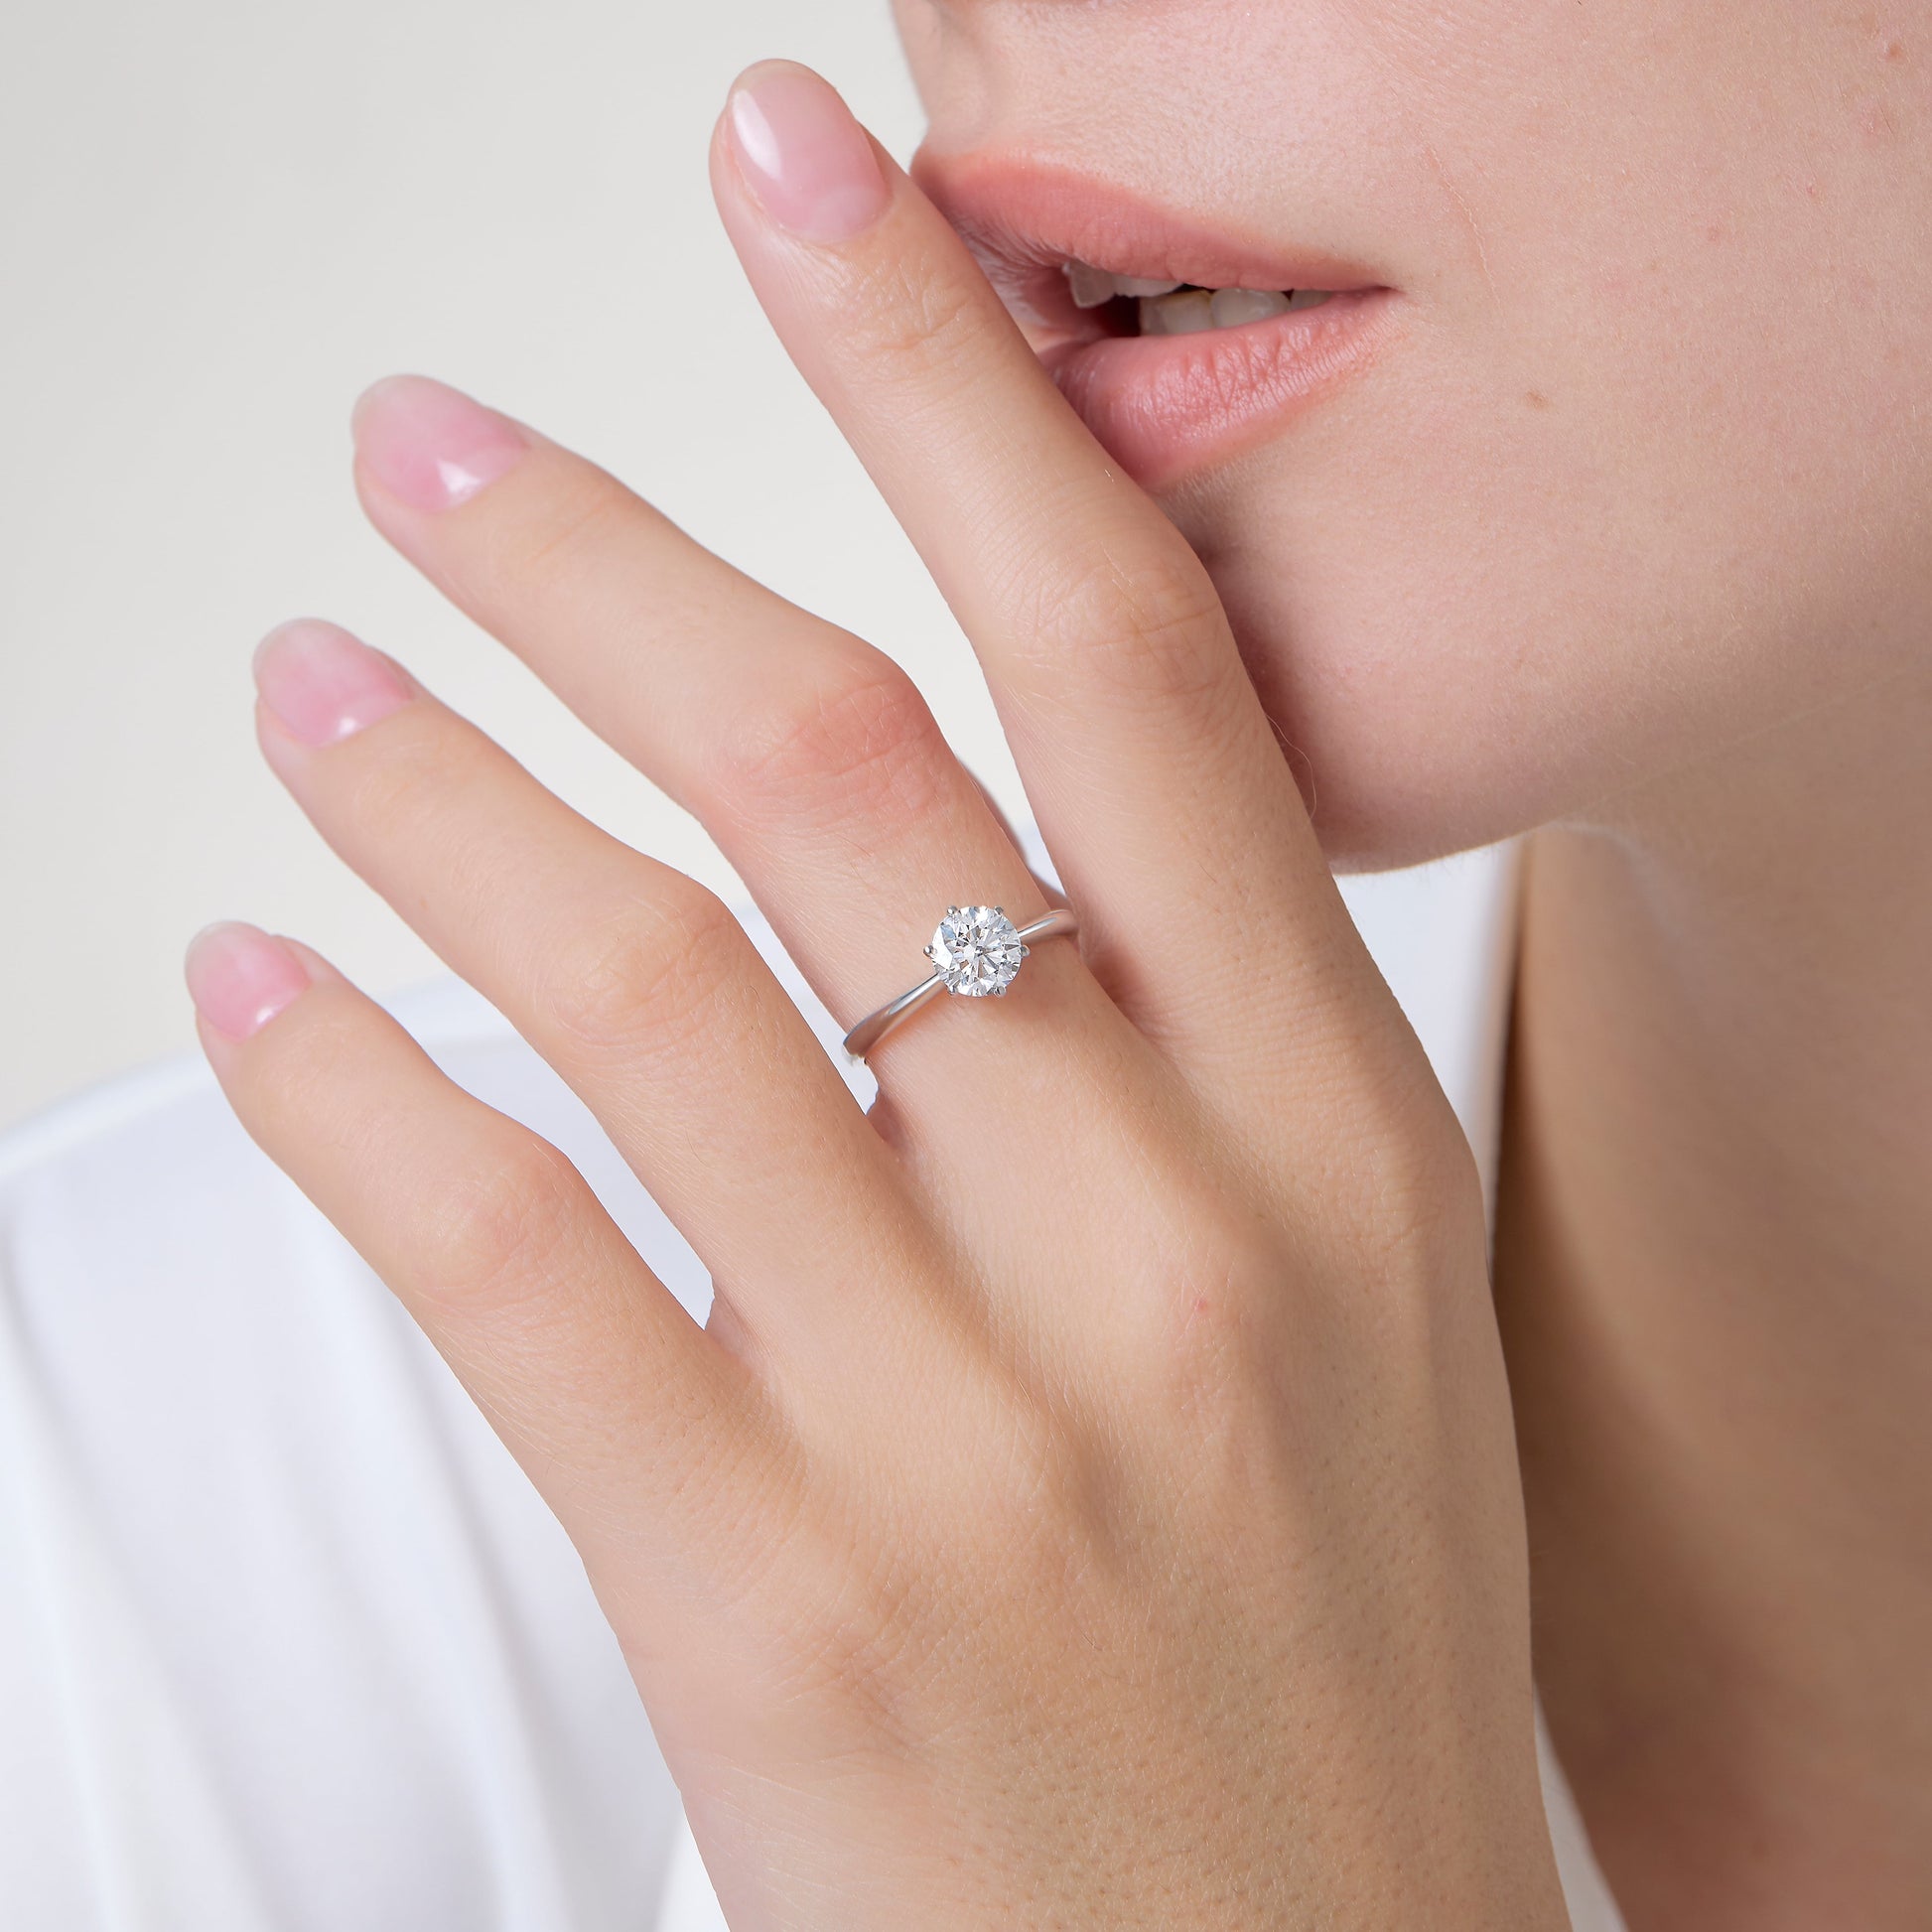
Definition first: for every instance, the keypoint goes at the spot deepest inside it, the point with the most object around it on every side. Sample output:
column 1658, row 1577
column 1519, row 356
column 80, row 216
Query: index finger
column 1157, row 779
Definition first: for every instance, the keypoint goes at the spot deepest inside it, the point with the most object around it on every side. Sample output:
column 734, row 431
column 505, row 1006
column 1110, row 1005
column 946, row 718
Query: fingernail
column 806, row 159
column 321, row 684
column 430, row 445
column 239, row 978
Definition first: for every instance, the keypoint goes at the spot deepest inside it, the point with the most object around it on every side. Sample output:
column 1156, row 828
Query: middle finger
column 808, row 755
column 634, row 983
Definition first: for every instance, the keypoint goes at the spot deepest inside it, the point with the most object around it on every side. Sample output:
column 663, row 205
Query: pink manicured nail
column 430, row 445
column 806, row 159
column 239, row 978
column 323, row 684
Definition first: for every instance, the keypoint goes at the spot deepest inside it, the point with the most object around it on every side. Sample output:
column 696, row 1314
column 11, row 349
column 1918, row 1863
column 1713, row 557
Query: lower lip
column 1165, row 406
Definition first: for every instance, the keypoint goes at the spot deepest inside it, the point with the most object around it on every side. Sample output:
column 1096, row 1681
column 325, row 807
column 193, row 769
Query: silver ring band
column 977, row 957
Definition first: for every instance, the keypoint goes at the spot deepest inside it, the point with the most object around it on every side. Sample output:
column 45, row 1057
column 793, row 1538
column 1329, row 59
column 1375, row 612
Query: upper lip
column 1026, row 218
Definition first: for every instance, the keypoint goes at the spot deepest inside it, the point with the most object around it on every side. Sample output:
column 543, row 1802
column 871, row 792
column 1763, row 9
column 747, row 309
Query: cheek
column 1490, row 589
column 1652, row 454
column 1648, row 478
column 1412, row 629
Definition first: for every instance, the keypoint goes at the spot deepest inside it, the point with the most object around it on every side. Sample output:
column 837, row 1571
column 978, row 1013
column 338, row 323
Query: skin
column 1669, row 325
column 1665, row 323
column 1119, row 1523
column 1111, row 1522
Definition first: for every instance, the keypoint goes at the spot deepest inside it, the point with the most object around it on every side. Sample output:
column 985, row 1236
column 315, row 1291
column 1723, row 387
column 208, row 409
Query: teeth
column 1177, row 314
column 1232, row 307
column 1090, row 286
column 1175, row 309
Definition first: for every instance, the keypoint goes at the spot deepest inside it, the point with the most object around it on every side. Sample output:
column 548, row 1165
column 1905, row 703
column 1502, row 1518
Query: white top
column 286, row 1639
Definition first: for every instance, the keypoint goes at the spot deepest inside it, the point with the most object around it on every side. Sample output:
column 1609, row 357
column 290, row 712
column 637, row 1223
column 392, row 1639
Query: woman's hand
column 1092, row 1501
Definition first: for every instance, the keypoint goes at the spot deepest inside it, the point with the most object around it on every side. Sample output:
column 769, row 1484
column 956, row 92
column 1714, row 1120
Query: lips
column 1162, row 405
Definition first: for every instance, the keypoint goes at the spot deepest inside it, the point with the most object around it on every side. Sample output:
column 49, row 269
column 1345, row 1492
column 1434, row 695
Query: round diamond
column 977, row 950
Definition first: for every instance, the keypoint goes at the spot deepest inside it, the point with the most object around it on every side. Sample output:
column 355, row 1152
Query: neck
column 1715, row 1276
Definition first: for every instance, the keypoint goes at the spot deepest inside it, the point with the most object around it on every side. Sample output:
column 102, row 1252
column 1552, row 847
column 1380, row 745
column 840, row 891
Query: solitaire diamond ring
column 976, row 951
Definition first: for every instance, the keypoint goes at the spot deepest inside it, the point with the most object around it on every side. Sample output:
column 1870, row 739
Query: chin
column 1417, row 723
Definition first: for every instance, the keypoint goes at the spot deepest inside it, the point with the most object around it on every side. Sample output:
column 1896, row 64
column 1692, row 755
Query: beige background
column 220, row 220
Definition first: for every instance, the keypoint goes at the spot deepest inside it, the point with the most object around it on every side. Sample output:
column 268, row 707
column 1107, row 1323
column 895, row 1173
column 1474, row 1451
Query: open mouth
column 1131, row 305
column 1177, row 345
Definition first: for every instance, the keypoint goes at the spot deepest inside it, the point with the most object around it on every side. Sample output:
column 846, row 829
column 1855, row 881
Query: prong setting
column 977, row 950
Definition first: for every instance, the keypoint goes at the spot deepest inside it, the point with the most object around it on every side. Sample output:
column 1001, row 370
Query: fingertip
column 428, row 446
column 323, row 684
column 240, row 977
column 319, row 971
column 804, row 156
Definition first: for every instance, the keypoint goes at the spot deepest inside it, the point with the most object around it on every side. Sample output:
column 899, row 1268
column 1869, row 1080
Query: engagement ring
column 976, row 951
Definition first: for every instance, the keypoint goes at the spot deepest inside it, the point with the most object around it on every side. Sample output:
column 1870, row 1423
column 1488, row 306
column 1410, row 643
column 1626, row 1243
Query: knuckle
column 503, row 1226
column 643, row 978
column 854, row 737
column 927, row 322
column 414, row 788
column 406, row 784
column 520, row 557
column 1145, row 621
column 419, row 800
column 296, row 1076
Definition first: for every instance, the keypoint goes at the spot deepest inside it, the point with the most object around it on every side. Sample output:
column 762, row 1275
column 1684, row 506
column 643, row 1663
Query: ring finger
column 807, row 754
column 633, row 982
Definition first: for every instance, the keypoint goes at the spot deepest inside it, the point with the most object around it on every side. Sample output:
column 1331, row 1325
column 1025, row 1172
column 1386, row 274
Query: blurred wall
column 218, row 220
